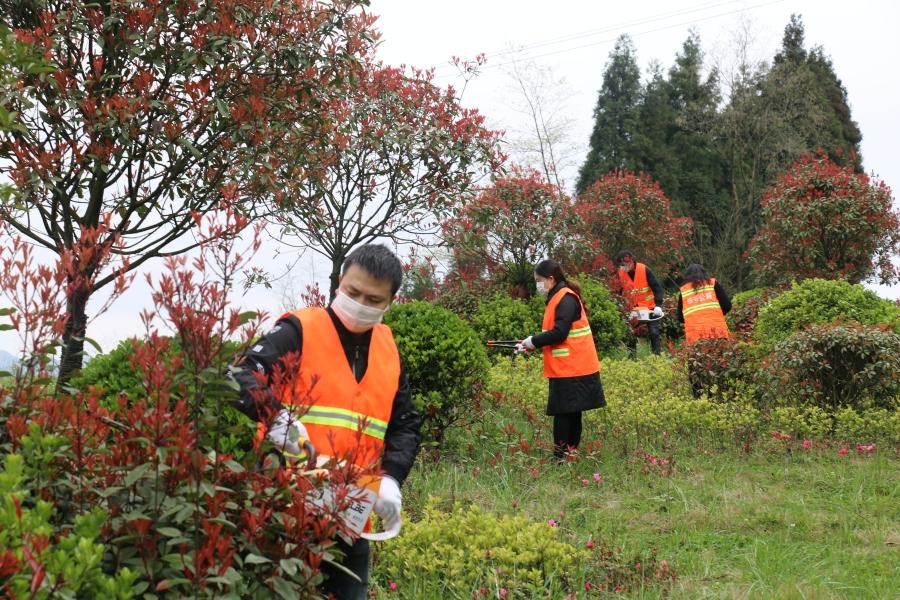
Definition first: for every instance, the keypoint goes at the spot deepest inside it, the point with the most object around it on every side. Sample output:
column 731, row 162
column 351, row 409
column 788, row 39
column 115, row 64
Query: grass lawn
column 776, row 522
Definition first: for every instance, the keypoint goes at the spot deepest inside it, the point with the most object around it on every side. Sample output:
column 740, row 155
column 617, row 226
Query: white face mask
column 543, row 291
column 356, row 317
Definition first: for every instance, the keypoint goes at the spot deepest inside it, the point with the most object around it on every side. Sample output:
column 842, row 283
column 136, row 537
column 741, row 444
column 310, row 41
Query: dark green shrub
column 445, row 361
column 836, row 365
column 114, row 374
column 745, row 307
column 504, row 318
column 822, row 301
column 607, row 324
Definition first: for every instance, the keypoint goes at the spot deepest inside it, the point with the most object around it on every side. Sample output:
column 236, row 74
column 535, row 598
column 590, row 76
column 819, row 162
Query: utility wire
column 606, row 40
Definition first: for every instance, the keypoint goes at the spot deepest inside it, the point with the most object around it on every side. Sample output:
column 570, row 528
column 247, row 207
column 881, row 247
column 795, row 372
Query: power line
column 608, row 40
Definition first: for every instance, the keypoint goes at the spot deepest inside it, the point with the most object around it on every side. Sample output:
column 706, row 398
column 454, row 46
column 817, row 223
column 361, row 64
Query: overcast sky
column 572, row 41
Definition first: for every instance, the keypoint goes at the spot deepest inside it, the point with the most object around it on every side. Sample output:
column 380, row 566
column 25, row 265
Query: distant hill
column 7, row 360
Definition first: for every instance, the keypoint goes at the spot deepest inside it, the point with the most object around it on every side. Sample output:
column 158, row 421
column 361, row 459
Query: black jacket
column 568, row 394
column 401, row 441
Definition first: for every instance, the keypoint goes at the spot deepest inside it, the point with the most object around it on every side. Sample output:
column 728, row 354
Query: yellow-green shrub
column 872, row 425
column 801, row 421
column 518, row 382
column 458, row 552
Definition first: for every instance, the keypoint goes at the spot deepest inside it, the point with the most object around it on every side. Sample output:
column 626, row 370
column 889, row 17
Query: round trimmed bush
column 504, row 318
column 822, row 301
column 836, row 365
column 445, row 361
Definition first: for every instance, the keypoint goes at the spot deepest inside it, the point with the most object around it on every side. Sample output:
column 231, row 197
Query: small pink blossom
column 842, row 452
column 585, row 482
column 598, row 477
column 589, row 545
column 392, row 586
column 552, row 522
column 868, row 448
column 637, row 566
column 587, row 585
column 807, row 444
column 504, row 592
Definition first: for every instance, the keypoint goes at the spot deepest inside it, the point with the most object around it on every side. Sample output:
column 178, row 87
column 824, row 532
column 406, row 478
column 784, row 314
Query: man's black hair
column 379, row 262
column 622, row 254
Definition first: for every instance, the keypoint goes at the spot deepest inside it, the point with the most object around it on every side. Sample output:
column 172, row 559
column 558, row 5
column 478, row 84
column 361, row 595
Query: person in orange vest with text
column 641, row 289
column 702, row 305
column 570, row 357
column 350, row 367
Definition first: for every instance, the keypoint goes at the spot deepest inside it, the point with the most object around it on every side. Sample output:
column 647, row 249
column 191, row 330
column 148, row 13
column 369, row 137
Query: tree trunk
column 335, row 276
column 73, row 336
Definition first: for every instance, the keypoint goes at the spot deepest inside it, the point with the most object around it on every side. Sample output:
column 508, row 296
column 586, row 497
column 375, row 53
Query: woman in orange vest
column 702, row 306
column 640, row 289
column 570, row 357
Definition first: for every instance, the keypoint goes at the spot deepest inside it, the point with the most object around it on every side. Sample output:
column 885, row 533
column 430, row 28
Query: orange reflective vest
column 637, row 290
column 703, row 316
column 576, row 355
column 344, row 418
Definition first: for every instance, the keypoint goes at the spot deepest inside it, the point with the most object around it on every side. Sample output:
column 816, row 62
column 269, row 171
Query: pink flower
column 587, row 585
column 503, row 592
column 663, row 565
column 865, row 448
column 552, row 522
column 589, row 545
column 585, row 482
column 776, row 434
column 637, row 566
column 598, row 477
column 842, row 452
column 393, row 586
column 807, row 444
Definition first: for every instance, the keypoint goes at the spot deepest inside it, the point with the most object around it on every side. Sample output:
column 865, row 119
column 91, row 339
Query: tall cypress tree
column 837, row 133
column 615, row 116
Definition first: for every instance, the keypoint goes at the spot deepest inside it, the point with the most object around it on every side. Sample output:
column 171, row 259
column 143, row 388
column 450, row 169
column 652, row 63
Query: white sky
column 575, row 40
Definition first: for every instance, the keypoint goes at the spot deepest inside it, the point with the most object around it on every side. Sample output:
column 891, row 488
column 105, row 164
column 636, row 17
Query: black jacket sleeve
column 286, row 336
column 679, row 308
column 723, row 298
column 657, row 289
column 567, row 312
column 401, row 441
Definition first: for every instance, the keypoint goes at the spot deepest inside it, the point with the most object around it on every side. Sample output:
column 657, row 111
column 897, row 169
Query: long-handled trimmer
column 508, row 344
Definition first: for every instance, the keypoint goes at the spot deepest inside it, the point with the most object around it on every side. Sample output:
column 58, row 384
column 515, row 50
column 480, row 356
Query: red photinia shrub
column 823, row 220
column 518, row 221
column 627, row 211
column 714, row 366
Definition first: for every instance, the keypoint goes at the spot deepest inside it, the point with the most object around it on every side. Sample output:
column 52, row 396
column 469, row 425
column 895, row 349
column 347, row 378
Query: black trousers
column 652, row 333
column 566, row 433
column 340, row 585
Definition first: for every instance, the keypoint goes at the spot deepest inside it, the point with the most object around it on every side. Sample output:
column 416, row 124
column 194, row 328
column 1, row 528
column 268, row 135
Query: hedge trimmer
column 506, row 344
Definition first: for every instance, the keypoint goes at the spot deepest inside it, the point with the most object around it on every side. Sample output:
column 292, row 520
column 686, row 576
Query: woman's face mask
column 543, row 286
column 356, row 317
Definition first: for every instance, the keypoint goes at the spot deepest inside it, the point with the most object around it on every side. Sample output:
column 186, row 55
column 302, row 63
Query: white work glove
column 288, row 433
column 656, row 312
column 525, row 345
column 389, row 502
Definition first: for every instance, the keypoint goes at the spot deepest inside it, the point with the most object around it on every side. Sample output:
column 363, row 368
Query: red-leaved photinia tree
column 624, row 211
column 826, row 221
column 500, row 234
column 152, row 111
column 401, row 151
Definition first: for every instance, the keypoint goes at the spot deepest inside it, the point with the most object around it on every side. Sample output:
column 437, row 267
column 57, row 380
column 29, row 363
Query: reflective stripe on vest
column 703, row 316
column 638, row 289
column 576, row 355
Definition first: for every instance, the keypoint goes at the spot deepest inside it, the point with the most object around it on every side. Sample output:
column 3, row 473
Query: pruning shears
column 509, row 344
